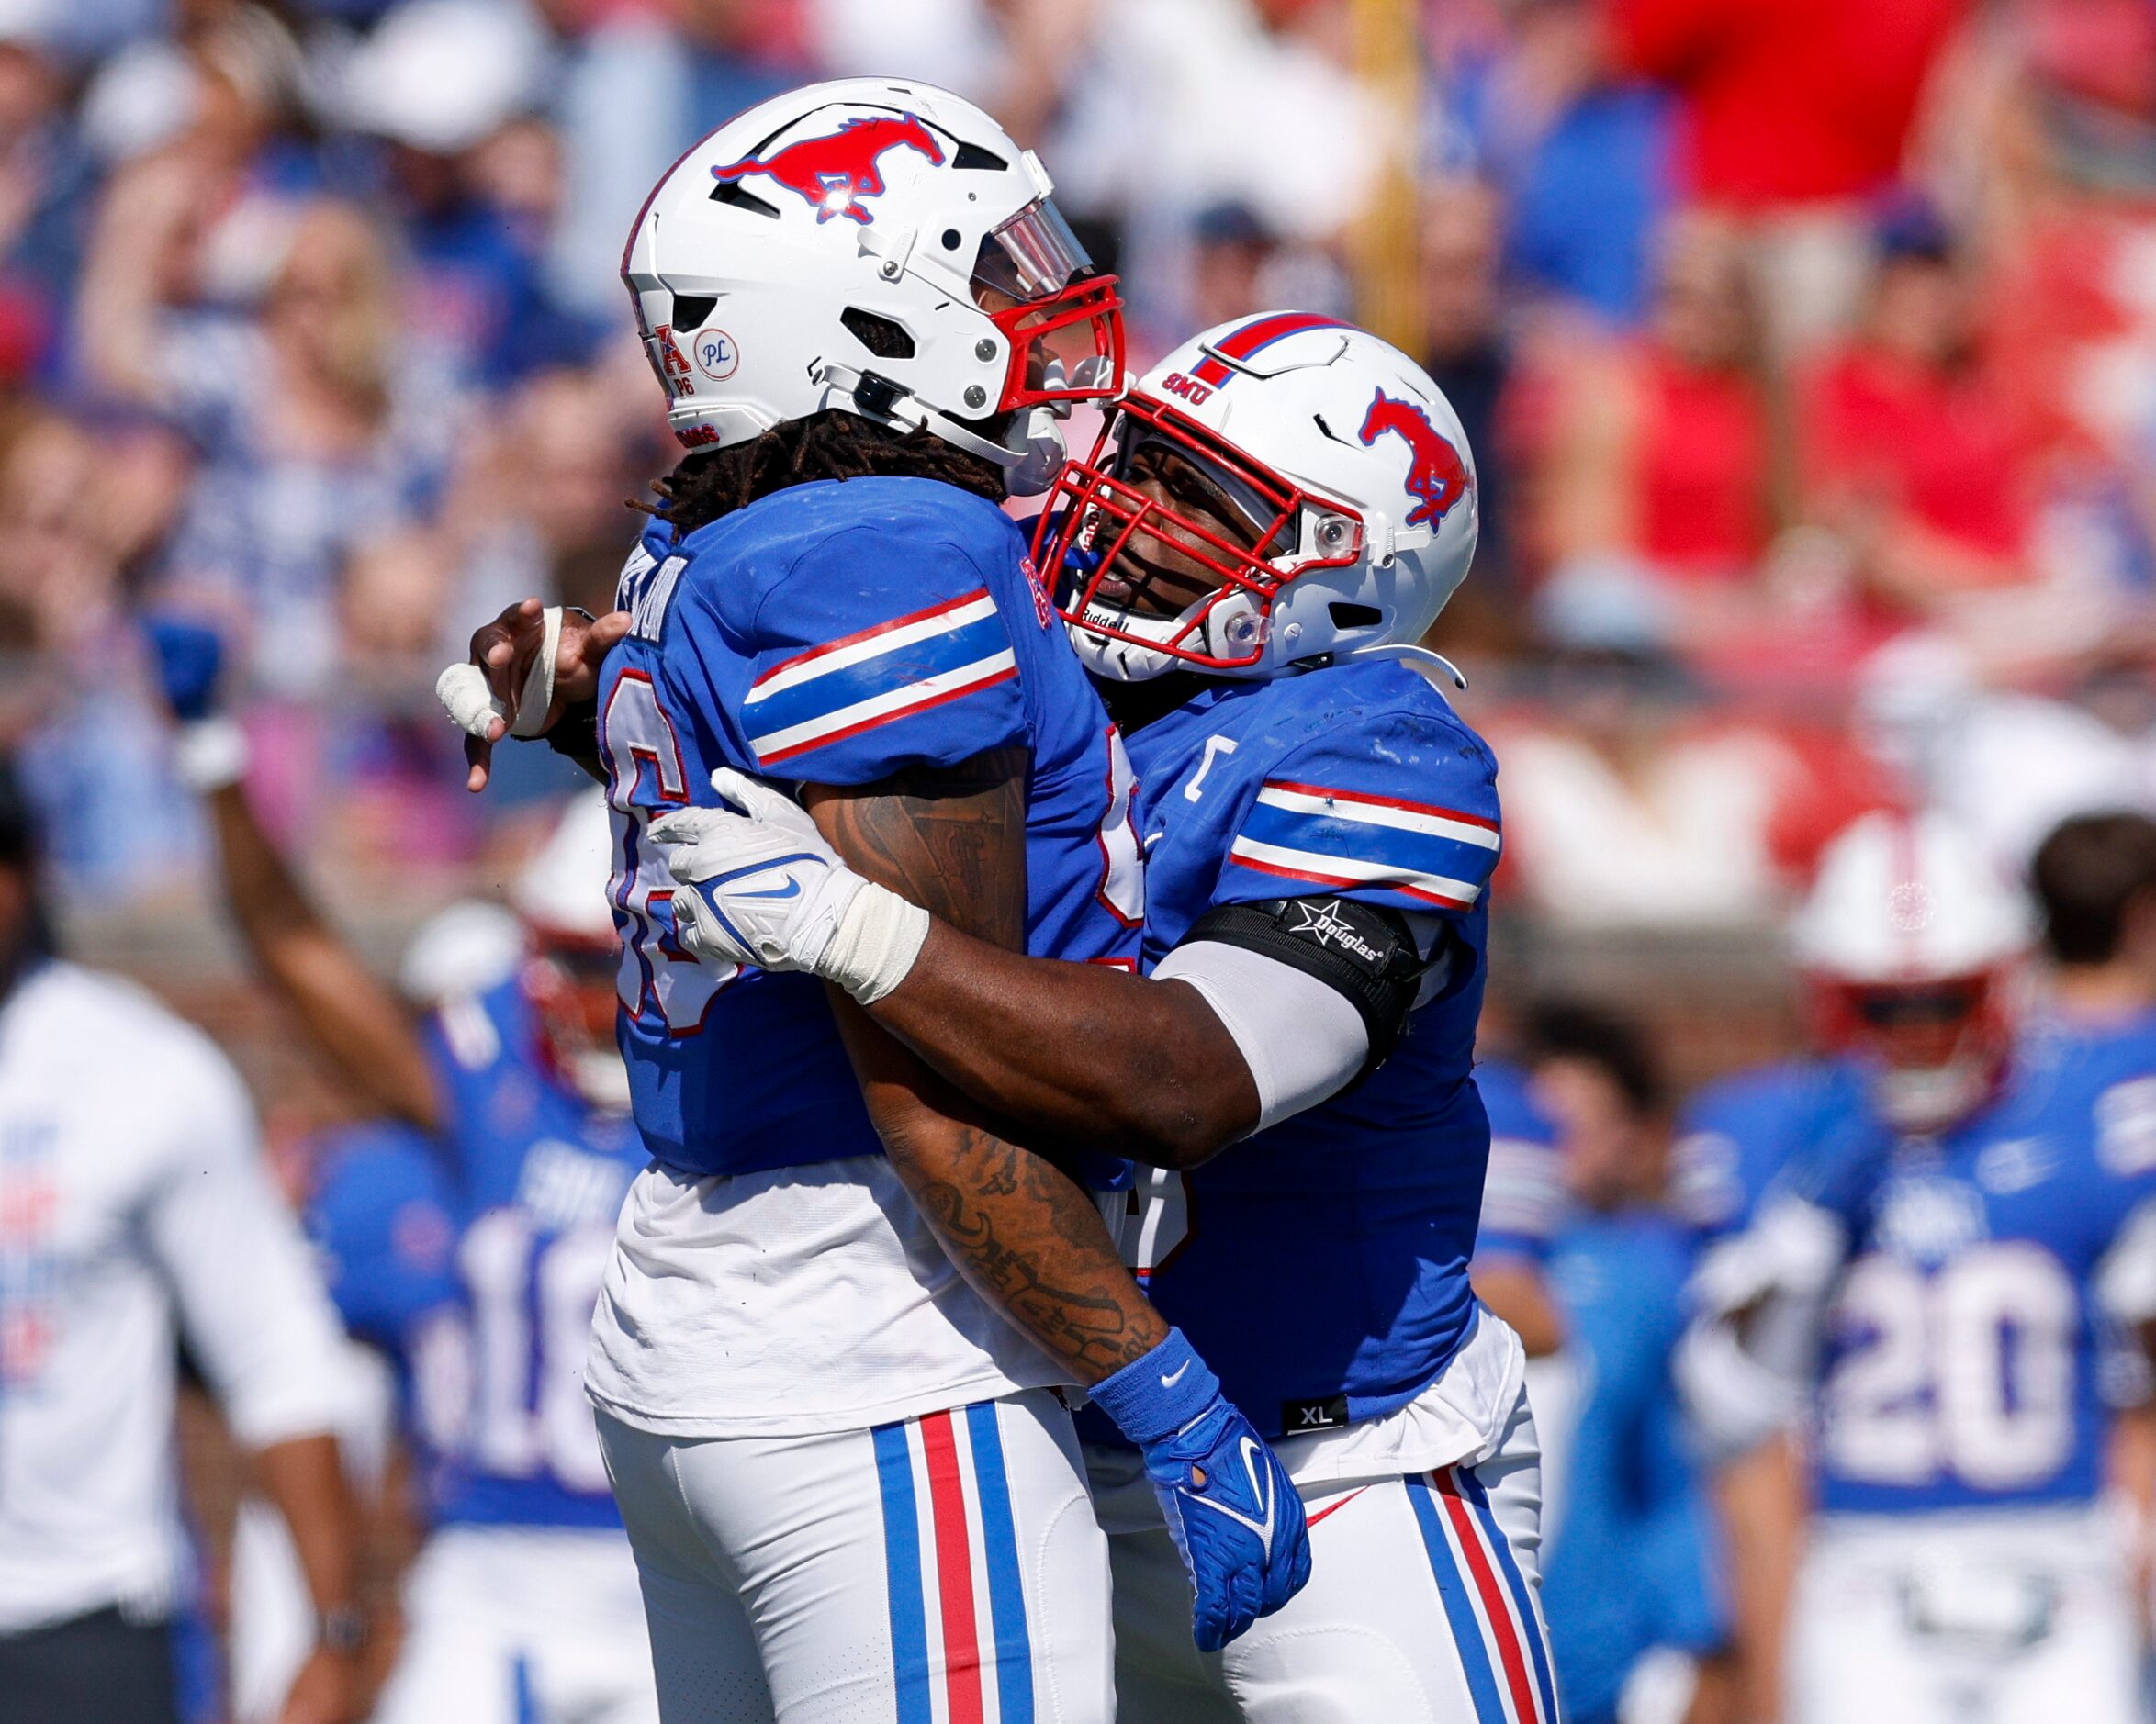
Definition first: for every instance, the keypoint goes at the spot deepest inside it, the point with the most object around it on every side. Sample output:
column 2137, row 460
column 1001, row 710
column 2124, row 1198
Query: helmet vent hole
column 690, row 310
column 879, row 335
column 1349, row 615
column 953, row 239
column 971, row 155
column 741, row 198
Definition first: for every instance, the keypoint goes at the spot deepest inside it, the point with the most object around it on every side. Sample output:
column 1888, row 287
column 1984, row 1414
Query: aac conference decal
column 717, row 354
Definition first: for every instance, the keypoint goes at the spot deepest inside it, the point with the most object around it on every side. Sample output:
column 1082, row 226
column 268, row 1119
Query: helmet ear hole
column 881, row 336
column 1346, row 616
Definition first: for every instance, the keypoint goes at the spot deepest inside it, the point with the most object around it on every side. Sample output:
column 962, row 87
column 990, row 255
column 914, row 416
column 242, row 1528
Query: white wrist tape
column 538, row 691
column 878, row 938
column 471, row 705
column 210, row 753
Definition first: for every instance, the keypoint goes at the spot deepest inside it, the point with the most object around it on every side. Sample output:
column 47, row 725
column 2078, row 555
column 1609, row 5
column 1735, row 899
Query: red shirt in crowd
column 1938, row 446
column 1787, row 101
column 1700, row 507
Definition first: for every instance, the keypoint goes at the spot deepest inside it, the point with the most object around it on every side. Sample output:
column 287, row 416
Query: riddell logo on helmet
column 1435, row 473
column 835, row 172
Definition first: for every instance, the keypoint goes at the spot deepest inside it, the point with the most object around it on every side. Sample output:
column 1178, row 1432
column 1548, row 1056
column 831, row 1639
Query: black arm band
column 1363, row 952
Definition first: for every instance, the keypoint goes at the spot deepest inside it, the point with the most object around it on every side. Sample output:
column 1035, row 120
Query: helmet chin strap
column 1028, row 470
column 1417, row 655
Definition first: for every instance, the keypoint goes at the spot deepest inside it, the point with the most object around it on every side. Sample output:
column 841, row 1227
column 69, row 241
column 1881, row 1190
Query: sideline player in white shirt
column 1942, row 1280
column 133, row 1204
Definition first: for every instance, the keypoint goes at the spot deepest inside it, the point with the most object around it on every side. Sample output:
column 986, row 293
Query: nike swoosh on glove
column 1230, row 1507
column 764, row 888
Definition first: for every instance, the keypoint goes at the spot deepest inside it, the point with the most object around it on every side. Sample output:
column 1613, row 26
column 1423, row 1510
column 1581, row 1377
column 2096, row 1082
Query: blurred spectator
column 311, row 427
column 1230, row 249
column 1632, row 1502
column 1468, row 355
column 1910, row 454
column 1582, row 154
column 453, row 86
column 45, row 183
column 1657, row 458
column 1792, row 110
column 79, row 702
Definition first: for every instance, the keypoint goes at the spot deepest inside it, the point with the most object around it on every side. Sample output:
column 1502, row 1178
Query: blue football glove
column 189, row 657
column 1230, row 1506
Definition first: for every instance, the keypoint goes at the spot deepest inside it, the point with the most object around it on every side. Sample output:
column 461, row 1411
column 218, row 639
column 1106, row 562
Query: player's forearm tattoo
column 1024, row 1233
column 1022, row 1267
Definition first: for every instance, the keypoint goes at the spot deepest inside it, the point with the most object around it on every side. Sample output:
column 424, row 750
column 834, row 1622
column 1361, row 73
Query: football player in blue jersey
column 829, row 1343
column 469, row 1247
column 1622, row 1493
column 1946, row 1275
column 1272, row 519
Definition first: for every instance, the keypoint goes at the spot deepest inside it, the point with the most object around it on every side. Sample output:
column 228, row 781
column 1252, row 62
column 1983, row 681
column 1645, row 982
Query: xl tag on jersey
column 1297, row 1417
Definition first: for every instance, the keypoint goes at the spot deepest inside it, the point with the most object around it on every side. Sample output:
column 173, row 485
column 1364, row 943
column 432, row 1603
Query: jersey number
column 1968, row 1370
column 658, row 980
column 508, row 1389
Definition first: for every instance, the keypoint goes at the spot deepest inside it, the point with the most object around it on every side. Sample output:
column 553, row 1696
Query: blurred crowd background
column 1807, row 348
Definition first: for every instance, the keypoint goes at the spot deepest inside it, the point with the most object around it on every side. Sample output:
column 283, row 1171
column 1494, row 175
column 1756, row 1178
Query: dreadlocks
column 827, row 445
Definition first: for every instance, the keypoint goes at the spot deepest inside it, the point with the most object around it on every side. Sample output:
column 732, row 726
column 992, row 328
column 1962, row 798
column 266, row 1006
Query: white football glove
column 762, row 887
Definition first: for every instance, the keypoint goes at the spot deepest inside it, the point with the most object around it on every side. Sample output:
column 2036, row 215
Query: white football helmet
column 575, row 950
column 878, row 246
column 1283, row 488
column 1909, row 940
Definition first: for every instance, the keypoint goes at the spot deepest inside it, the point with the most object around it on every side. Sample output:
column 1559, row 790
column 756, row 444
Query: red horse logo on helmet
column 1435, row 472
column 835, row 172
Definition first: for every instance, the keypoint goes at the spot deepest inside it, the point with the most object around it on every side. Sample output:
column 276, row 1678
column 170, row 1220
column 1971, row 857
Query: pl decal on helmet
column 876, row 247
column 837, row 173
column 1284, row 490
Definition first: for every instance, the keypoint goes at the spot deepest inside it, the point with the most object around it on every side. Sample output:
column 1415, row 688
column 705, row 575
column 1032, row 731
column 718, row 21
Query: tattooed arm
column 1022, row 1230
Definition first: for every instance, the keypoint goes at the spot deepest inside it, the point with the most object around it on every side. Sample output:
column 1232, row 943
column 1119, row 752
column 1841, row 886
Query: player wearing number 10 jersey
column 1274, row 516
column 1978, row 1239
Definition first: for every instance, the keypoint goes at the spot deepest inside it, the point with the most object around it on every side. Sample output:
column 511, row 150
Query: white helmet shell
column 1350, row 466
column 562, row 892
column 833, row 248
column 1906, row 899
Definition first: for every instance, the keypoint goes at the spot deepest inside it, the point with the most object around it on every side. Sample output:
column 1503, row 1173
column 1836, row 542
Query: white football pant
column 1983, row 1616
column 944, row 1570
column 1423, row 1606
column 522, row 1625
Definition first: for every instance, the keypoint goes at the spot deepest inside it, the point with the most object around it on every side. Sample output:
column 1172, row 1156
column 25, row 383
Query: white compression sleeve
column 1301, row 1039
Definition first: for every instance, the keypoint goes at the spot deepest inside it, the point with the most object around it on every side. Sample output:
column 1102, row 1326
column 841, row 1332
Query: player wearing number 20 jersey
column 1975, row 1229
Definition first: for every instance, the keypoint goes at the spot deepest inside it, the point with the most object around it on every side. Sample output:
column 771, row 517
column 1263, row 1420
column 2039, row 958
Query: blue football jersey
column 1523, row 1197
column 835, row 633
column 1965, row 1352
column 1635, row 1505
column 1321, row 1266
column 1735, row 1134
column 474, row 1261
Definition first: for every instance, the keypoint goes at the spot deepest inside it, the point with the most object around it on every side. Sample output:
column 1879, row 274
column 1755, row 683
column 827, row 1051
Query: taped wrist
column 1363, row 952
column 872, row 950
column 1166, row 1391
